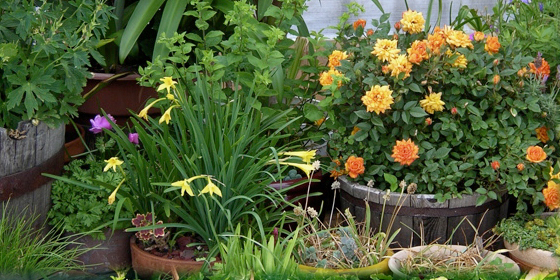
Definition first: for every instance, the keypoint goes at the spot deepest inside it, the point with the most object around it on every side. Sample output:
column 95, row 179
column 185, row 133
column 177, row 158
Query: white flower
column 335, row 185
column 316, row 165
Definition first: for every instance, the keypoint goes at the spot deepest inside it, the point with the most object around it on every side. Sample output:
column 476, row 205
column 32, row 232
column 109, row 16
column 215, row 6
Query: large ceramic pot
column 107, row 255
column 529, row 259
column 298, row 189
column 146, row 265
column 362, row 272
column 115, row 97
column 441, row 251
column 422, row 214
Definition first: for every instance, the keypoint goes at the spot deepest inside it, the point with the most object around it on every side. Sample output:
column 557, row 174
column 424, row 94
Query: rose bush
column 449, row 112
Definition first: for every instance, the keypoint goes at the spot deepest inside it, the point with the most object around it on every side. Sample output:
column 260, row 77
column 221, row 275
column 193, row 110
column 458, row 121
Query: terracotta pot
column 74, row 146
column 109, row 254
column 146, row 264
column 362, row 272
column 532, row 258
column 441, row 251
column 115, row 98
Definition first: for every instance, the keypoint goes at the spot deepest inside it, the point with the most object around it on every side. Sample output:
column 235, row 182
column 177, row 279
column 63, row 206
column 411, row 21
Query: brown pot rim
column 136, row 248
column 103, row 76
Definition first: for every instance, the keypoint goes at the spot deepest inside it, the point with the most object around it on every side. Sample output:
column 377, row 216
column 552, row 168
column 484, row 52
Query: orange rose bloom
column 479, row 36
column 405, row 152
column 359, row 22
column 552, row 195
column 492, row 45
column 354, row 166
column 542, row 134
column 495, row 165
column 535, row 154
column 541, row 71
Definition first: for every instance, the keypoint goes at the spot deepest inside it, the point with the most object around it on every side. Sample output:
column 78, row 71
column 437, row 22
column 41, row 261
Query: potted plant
column 45, row 50
column 79, row 204
column 533, row 239
column 460, row 121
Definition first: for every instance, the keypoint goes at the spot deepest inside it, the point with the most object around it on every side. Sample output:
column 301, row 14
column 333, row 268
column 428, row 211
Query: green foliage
column 79, row 209
column 244, row 257
column 256, row 53
column 531, row 232
column 488, row 113
column 45, row 48
column 28, row 253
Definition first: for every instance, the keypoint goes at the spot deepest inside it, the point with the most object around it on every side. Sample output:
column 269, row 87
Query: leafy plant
column 452, row 114
column 45, row 48
column 531, row 232
column 28, row 253
column 83, row 210
column 244, row 257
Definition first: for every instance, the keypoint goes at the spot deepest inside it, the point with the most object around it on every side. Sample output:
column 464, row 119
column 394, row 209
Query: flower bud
column 495, row 165
column 398, row 25
column 521, row 83
column 428, row 121
column 544, row 114
column 369, row 32
column 496, row 79
column 496, row 62
column 520, row 166
column 395, row 36
column 424, row 82
column 454, row 111
column 35, row 122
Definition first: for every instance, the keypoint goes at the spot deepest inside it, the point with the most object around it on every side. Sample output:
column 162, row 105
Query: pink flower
column 133, row 138
column 100, row 122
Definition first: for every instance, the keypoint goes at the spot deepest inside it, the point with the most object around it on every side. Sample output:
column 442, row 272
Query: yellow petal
column 307, row 168
column 112, row 197
column 185, row 187
column 166, row 116
column 306, row 156
column 211, row 188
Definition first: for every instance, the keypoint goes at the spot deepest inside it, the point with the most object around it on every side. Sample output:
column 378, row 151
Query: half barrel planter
column 37, row 150
column 422, row 215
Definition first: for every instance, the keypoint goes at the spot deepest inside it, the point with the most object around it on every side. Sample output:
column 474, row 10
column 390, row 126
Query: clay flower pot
column 436, row 250
column 73, row 145
column 532, row 258
column 146, row 264
column 362, row 272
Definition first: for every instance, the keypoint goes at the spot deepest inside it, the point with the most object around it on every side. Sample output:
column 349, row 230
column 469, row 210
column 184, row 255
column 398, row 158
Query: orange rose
column 359, row 22
column 495, row 165
column 552, row 195
column 542, row 134
column 492, row 45
column 369, row 32
column 354, row 166
column 535, row 154
column 520, row 166
column 541, row 71
column 478, row 36
column 405, row 152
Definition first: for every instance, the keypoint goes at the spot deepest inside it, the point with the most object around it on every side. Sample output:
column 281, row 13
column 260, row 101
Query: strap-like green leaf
column 172, row 14
column 144, row 12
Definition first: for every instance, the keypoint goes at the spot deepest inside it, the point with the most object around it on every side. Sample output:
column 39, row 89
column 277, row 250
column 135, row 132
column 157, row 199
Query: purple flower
column 541, row 6
column 99, row 123
column 471, row 37
column 133, row 138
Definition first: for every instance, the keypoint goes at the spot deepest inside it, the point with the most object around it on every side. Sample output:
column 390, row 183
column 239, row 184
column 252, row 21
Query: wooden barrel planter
column 422, row 214
column 24, row 156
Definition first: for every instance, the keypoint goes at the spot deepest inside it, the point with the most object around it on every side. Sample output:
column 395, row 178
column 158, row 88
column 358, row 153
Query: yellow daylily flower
column 211, row 188
column 306, row 156
column 144, row 112
column 113, row 195
column 112, row 163
column 166, row 117
column 307, row 168
column 168, row 83
column 185, row 187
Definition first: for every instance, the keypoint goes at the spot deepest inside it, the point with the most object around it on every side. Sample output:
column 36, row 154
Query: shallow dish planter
column 422, row 213
column 532, row 258
column 146, row 264
column 437, row 250
column 362, row 272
